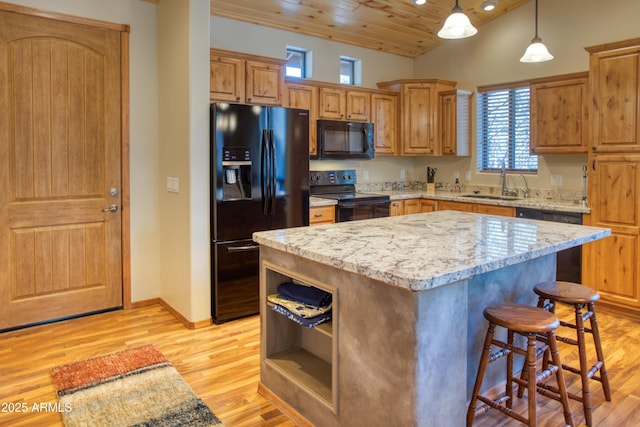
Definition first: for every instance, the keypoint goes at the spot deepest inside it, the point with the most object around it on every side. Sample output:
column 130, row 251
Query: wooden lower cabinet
column 396, row 207
column 477, row 208
column 411, row 206
column 612, row 265
column 448, row 205
column 322, row 215
column 496, row 210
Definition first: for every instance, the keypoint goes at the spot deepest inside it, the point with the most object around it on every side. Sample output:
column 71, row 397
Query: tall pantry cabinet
column 612, row 265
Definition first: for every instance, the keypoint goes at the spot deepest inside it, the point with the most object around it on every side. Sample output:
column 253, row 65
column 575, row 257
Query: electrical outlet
column 467, row 176
column 402, row 174
column 456, row 175
column 556, row 180
column 365, row 175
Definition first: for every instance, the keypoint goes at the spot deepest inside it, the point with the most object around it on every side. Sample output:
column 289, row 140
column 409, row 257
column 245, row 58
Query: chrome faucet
column 525, row 191
column 505, row 190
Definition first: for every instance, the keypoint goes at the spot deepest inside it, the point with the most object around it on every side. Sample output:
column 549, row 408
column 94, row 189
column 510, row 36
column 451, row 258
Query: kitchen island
column 407, row 329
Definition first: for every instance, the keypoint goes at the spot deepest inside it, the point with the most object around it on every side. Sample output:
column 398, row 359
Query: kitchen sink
column 491, row 197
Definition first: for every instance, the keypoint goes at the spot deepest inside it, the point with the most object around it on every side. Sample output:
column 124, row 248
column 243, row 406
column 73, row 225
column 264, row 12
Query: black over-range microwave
column 344, row 140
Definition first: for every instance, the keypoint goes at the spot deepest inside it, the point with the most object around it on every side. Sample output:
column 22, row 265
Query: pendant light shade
column 457, row 25
column 537, row 51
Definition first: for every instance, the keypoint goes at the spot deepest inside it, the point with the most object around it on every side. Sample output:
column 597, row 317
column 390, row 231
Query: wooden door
column 60, row 154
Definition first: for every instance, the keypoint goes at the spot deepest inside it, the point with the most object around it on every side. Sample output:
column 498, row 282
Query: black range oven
column 352, row 205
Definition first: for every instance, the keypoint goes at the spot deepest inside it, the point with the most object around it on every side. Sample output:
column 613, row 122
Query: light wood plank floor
column 221, row 363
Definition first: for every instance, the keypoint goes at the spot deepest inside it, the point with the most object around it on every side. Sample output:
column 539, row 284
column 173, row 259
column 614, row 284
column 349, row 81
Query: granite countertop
column 318, row 201
column 536, row 203
column 422, row 251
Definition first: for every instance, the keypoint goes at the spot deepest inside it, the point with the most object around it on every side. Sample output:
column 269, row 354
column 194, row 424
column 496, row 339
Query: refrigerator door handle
column 264, row 172
column 272, row 170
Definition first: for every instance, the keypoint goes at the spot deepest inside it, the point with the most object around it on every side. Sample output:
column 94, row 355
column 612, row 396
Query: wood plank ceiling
column 393, row 26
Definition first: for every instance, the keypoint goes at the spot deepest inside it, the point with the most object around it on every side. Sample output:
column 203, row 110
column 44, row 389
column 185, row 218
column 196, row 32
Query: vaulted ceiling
column 393, row 26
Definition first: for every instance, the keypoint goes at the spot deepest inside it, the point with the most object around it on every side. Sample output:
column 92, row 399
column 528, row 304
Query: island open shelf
column 304, row 356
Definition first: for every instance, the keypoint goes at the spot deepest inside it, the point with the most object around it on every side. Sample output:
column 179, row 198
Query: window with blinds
column 503, row 129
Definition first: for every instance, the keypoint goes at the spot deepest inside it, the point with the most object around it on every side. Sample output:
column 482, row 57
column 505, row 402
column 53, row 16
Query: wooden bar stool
column 578, row 296
column 528, row 322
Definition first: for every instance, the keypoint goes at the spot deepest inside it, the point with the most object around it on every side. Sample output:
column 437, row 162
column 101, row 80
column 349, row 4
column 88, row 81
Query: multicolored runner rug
column 136, row 387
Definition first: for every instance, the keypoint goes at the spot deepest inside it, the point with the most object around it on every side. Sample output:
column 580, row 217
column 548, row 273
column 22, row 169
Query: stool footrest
column 495, row 404
column 498, row 355
column 567, row 340
column 595, row 368
column 554, row 389
column 572, row 326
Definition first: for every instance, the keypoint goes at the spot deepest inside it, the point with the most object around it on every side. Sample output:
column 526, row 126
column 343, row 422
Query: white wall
column 259, row 40
column 145, row 225
column 492, row 56
column 183, row 75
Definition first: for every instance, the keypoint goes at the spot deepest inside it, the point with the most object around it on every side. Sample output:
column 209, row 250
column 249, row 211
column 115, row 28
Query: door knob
column 111, row 208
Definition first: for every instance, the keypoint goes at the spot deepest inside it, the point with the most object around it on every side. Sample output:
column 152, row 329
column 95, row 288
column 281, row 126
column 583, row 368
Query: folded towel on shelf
column 307, row 323
column 306, row 294
column 305, row 311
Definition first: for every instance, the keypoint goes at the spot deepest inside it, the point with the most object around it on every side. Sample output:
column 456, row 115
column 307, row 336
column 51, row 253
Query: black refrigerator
column 259, row 181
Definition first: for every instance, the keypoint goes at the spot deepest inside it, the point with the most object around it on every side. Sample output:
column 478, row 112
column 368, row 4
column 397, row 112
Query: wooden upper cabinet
column 419, row 105
column 615, row 80
column 343, row 104
column 265, row 83
column 306, row 98
column 226, row 78
column 560, row 114
column 384, row 115
column 332, row 103
column 246, row 79
column 454, row 116
column 358, row 105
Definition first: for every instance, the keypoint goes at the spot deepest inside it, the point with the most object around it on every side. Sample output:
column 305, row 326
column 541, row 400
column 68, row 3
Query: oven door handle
column 243, row 248
column 352, row 204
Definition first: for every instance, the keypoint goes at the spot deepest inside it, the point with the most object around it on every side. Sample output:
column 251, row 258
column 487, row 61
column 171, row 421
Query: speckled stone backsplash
column 560, row 194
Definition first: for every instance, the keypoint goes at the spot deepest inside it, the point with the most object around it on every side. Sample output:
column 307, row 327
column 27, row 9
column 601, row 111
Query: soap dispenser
column 456, row 186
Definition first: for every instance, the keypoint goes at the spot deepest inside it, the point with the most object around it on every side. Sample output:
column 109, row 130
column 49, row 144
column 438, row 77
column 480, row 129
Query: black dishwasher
column 569, row 261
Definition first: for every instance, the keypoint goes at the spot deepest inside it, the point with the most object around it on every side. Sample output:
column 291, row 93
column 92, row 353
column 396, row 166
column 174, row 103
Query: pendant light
column 457, row 25
column 537, row 51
